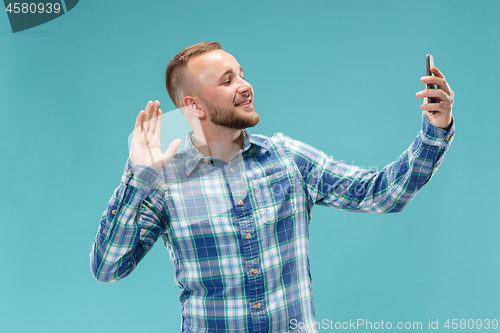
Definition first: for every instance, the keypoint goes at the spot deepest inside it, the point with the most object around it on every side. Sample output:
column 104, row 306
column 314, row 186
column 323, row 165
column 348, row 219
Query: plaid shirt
column 238, row 233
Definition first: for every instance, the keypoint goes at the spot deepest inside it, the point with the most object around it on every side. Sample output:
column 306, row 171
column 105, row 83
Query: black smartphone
column 429, row 61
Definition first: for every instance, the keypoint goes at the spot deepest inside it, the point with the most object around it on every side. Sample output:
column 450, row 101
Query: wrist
column 434, row 135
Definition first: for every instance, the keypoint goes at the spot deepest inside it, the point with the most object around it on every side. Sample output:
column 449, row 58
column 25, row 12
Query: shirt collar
column 193, row 156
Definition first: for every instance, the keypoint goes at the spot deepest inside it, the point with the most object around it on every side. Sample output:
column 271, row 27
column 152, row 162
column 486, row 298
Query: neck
column 222, row 143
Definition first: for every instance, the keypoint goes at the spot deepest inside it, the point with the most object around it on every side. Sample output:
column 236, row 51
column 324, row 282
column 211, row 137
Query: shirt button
column 257, row 306
column 437, row 165
column 129, row 172
column 113, row 212
column 240, row 202
column 254, row 271
column 248, row 236
column 232, row 170
column 448, row 137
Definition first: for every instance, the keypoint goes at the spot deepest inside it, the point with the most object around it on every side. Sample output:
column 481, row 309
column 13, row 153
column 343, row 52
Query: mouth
column 246, row 102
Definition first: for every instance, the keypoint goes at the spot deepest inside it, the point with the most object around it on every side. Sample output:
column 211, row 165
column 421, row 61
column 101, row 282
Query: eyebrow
column 229, row 71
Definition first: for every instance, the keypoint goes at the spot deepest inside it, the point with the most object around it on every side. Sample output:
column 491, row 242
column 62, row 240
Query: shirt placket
column 254, row 279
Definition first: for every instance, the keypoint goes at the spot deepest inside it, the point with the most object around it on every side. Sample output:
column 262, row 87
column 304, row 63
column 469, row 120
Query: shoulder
column 277, row 138
column 284, row 144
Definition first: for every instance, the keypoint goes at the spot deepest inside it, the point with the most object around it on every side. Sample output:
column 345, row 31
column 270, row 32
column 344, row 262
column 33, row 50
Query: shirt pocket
column 274, row 196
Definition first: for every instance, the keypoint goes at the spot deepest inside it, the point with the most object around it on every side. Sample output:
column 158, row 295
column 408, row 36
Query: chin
column 255, row 120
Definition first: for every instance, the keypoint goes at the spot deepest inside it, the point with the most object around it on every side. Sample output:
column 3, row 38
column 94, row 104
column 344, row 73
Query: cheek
column 227, row 98
column 219, row 97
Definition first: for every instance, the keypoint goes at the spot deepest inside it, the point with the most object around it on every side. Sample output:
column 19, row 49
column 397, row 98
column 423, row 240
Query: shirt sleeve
column 338, row 184
column 131, row 224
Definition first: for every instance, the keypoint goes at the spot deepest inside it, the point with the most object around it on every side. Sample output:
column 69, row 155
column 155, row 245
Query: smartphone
column 429, row 61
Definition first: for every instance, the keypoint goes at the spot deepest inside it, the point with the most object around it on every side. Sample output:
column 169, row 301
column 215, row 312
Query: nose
column 245, row 88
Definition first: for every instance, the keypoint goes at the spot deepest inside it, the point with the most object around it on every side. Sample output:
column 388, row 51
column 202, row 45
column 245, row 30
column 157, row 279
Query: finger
column 437, row 72
column 149, row 111
column 138, row 123
column 172, row 148
column 433, row 80
column 440, row 82
column 154, row 117
column 158, row 124
column 438, row 93
column 434, row 107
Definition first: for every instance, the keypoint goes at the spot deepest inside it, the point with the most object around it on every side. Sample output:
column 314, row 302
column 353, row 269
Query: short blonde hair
column 177, row 80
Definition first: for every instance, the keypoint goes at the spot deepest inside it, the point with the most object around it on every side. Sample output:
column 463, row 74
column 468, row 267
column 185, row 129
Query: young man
column 233, row 208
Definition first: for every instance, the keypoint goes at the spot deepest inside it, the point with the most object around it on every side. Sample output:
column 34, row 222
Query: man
column 233, row 208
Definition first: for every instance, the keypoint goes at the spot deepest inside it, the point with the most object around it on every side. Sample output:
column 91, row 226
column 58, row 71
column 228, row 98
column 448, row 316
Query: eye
column 228, row 81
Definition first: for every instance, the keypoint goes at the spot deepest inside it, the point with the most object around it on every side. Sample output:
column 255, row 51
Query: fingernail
column 425, row 79
column 419, row 94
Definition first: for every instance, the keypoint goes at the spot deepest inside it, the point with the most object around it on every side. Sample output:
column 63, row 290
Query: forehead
column 211, row 65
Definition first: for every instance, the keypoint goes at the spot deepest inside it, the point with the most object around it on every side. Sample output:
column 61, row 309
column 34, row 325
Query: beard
column 230, row 118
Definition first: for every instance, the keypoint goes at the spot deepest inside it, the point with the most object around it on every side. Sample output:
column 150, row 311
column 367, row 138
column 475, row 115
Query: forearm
column 391, row 189
column 337, row 184
column 129, row 226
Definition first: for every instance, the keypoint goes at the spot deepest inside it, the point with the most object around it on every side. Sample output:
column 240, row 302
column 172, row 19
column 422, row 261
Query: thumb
column 167, row 156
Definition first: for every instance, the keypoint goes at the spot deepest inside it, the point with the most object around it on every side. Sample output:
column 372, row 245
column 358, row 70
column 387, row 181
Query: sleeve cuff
column 435, row 136
column 140, row 176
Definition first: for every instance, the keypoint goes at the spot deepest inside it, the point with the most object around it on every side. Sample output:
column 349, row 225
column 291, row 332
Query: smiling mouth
column 245, row 102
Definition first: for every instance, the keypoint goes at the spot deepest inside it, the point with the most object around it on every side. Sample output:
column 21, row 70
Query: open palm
column 146, row 143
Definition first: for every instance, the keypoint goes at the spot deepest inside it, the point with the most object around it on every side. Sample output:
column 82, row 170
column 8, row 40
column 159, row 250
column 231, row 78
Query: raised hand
column 146, row 143
column 439, row 113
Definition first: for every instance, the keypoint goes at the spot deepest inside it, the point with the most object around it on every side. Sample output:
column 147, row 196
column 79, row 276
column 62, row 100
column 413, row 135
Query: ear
column 195, row 106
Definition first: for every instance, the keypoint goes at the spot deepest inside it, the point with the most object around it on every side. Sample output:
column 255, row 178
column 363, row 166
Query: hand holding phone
column 438, row 96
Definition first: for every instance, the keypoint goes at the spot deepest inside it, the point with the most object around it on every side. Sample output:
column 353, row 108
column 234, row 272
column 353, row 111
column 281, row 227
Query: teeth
column 244, row 103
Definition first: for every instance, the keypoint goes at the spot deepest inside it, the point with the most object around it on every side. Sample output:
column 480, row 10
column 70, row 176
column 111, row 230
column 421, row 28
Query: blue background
column 341, row 76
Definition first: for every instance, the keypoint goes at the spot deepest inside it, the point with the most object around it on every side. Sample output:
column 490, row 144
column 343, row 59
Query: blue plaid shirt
column 238, row 233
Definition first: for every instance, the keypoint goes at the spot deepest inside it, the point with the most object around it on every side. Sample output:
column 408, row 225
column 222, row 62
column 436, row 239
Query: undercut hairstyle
column 177, row 80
